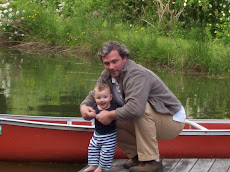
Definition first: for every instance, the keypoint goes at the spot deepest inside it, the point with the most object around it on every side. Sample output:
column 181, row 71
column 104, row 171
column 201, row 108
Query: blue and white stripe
column 101, row 150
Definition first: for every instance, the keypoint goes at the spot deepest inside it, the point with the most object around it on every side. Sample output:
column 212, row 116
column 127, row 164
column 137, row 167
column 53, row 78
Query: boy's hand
column 87, row 112
column 106, row 117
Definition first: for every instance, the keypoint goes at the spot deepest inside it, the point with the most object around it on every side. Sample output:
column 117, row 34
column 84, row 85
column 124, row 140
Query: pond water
column 56, row 85
column 32, row 84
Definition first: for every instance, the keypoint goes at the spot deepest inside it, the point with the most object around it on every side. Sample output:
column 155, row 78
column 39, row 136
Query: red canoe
column 66, row 139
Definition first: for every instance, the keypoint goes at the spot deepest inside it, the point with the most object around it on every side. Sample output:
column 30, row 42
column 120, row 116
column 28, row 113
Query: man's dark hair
column 113, row 45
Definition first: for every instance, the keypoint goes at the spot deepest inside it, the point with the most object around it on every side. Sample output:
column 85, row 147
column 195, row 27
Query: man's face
column 114, row 63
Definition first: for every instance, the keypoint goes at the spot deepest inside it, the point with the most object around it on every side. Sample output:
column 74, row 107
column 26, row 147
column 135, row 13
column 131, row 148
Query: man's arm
column 89, row 100
column 136, row 89
column 87, row 112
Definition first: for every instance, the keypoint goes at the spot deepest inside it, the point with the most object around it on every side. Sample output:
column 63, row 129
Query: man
column 147, row 110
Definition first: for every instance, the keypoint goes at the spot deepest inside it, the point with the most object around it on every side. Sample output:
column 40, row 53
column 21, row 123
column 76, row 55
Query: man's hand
column 106, row 117
column 87, row 112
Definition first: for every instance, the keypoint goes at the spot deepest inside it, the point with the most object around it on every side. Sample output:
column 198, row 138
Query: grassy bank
column 77, row 28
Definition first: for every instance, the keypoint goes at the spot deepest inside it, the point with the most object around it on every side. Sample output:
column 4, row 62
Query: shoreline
column 43, row 48
column 85, row 52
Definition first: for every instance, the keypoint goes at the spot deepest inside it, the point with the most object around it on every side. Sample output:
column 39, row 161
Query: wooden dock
column 183, row 165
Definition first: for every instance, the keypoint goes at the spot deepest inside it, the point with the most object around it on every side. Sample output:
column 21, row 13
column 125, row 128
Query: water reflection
column 39, row 85
column 3, row 106
column 202, row 96
column 56, row 85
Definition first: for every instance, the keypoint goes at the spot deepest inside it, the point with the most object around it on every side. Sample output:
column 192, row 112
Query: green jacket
column 138, row 86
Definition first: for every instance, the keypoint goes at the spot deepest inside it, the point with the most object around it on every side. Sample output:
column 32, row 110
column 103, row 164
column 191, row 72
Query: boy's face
column 103, row 98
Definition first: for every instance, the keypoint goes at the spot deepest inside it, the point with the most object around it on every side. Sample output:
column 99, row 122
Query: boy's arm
column 87, row 112
column 106, row 117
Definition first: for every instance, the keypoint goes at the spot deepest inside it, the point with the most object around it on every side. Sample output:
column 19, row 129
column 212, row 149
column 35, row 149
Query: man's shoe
column 147, row 166
column 131, row 162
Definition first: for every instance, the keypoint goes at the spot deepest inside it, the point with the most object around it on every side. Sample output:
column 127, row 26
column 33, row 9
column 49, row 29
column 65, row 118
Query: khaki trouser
column 139, row 136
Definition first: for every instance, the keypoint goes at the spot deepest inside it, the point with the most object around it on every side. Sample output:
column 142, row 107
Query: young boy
column 103, row 143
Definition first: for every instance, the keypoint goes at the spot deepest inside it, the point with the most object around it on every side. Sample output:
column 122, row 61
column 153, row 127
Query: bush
column 174, row 33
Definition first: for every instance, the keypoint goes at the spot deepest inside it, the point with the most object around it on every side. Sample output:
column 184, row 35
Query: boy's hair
column 101, row 86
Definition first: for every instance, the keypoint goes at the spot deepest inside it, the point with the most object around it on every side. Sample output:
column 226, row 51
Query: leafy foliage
column 174, row 33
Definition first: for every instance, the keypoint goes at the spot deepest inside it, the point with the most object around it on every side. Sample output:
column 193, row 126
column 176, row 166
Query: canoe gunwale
column 86, row 128
column 26, row 121
column 46, row 125
column 212, row 132
column 47, row 118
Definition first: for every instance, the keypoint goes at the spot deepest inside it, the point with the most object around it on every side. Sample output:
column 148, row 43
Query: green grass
column 78, row 28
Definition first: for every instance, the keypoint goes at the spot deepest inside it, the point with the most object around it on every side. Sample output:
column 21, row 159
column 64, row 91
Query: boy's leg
column 93, row 151
column 99, row 169
column 107, row 150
